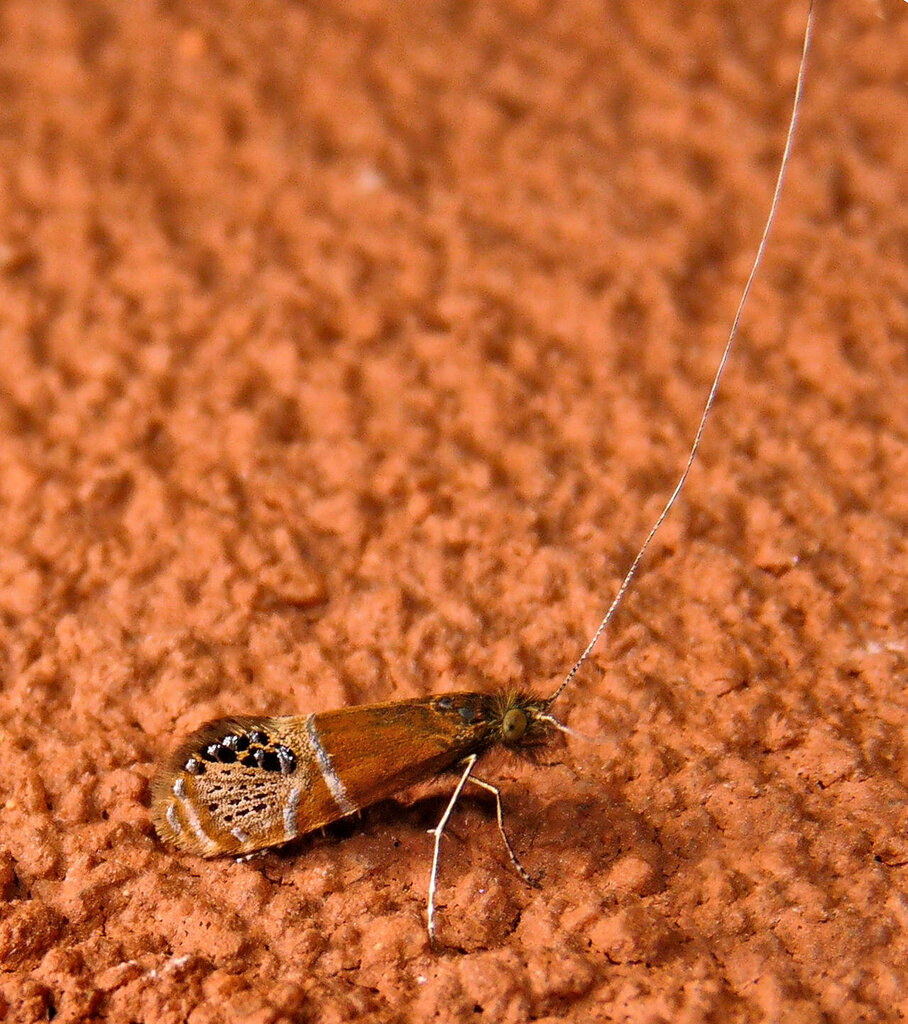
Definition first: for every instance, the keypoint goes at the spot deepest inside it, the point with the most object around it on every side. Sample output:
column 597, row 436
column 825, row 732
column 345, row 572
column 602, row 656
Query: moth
column 238, row 785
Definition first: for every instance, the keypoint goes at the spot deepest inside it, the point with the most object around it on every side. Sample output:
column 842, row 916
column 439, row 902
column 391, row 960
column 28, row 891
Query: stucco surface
column 347, row 352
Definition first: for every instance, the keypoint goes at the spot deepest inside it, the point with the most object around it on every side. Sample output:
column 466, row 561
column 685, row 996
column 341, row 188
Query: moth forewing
column 238, row 785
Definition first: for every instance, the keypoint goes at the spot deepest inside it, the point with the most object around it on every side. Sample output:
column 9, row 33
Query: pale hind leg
column 438, row 831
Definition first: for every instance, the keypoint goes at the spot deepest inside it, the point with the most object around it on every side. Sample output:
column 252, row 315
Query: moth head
column 522, row 721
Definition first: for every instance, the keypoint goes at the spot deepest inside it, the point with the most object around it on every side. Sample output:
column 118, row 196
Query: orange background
column 347, row 353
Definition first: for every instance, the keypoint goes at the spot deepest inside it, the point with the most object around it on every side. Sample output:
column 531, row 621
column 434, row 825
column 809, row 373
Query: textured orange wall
column 346, row 354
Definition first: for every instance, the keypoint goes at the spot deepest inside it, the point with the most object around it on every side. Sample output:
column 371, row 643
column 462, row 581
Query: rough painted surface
column 346, row 354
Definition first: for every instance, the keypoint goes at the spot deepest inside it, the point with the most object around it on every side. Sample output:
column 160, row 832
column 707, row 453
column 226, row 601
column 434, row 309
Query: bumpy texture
column 347, row 352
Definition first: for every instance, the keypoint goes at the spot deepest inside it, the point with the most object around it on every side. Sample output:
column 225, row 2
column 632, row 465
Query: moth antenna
column 713, row 391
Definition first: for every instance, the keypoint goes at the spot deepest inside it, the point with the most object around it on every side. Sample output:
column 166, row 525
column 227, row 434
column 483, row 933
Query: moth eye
column 513, row 725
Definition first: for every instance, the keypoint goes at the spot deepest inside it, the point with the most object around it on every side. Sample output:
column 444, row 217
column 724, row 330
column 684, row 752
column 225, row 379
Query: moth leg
column 437, row 832
column 244, row 858
column 519, row 868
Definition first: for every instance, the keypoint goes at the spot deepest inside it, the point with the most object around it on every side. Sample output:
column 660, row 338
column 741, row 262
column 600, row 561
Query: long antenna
column 713, row 391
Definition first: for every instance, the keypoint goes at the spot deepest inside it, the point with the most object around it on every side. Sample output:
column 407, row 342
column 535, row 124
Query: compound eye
column 513, row 725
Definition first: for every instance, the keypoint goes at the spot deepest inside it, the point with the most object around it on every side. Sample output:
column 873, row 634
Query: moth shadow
column 558, row 828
